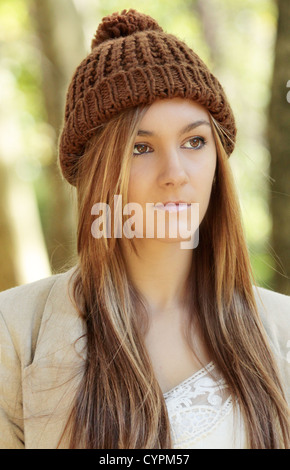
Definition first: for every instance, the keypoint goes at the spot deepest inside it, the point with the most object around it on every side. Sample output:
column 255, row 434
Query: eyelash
column 201, row 139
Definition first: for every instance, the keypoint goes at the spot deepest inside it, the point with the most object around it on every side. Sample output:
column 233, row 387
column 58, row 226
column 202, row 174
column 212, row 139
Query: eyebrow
column 187, row 128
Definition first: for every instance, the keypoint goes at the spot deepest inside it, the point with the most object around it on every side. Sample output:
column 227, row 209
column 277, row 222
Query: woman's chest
column 172, row 357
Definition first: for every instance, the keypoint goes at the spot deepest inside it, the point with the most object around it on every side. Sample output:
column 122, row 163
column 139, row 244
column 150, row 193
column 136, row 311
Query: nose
column 172, row 171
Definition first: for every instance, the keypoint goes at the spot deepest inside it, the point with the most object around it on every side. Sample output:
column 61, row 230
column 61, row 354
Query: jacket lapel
column 50, row 383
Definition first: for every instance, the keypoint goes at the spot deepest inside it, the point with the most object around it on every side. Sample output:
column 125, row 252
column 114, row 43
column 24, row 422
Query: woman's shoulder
column 22, row 294
column 273, row 307
column 31, row 296
column 22, row 308
column 274, row 311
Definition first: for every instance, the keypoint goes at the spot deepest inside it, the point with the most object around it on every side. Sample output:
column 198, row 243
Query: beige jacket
column 41, row 361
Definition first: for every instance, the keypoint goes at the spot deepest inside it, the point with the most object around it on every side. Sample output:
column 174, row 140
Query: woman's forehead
column 175, row 105
column 175, row 112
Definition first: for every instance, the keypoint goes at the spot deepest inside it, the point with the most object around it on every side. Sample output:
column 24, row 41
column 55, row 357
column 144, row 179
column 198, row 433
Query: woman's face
column 174, row 160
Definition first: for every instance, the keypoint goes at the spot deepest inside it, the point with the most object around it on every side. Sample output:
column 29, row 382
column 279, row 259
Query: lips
column 174, row 202
column 172, row 206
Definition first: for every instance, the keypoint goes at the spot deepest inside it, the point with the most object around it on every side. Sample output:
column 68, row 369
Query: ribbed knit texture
column 133, row 62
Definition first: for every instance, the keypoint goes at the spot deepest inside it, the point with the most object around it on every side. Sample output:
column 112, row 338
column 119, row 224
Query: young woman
column 145, row 343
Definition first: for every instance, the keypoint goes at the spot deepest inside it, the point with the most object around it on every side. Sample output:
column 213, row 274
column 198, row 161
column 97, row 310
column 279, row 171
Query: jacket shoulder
column 19, row 303
column 274, row 310
column 23, row 293
column 22, row 307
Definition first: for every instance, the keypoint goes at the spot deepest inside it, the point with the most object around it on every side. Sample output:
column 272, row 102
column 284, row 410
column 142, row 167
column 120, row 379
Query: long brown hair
column 119, row 403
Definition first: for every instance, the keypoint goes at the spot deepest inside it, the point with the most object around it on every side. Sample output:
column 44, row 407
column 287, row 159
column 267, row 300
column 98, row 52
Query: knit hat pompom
column 123, row 24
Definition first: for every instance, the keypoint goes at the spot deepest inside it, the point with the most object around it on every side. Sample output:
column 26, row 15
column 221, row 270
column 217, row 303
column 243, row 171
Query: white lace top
column 201, row 414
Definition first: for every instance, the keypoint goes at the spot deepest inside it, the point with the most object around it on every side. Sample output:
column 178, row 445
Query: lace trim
column 197, row 405
column 209, row 367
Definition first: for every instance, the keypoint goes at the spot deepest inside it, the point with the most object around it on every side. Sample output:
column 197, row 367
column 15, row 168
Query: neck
column 159, row 273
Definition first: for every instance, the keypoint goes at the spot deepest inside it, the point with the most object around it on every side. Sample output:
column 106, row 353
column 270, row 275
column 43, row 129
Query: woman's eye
column 195, row 143
column 140, row 149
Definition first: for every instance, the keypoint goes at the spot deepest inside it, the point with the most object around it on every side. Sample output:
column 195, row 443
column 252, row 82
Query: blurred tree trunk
column 279, row 142
column 8, row 272
column 210, row 15
column 60, row 35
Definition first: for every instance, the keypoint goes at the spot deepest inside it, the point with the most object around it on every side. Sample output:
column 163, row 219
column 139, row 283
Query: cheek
column 139, row 186
column 132, row 187
column 133, row 193
column 202, row 184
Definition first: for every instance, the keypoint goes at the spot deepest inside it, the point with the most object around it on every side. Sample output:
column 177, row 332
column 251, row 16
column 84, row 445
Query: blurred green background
column 246, row 43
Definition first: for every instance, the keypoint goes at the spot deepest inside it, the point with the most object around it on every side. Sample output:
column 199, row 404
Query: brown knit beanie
column 133, row 62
